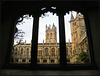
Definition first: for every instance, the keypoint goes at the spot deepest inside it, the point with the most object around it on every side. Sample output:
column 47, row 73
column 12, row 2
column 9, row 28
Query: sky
column 49, row 19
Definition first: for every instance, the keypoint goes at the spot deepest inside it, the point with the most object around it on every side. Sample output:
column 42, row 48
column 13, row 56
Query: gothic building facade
column 48, row 52
column 79, row 36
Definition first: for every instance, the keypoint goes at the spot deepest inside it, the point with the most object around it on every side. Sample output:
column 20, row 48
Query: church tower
column 51, row 34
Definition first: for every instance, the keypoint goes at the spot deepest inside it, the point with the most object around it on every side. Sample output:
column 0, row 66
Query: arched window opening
column 23, row 37
column 46, row 52
column 48, row 35
column 27, row 51
column 16, row 51
column 21, row 51
column 53, row 51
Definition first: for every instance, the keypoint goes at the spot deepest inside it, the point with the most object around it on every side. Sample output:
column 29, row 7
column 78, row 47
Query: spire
column 72, row 17
column 77, row 15
column 25, row 42
column 53, row 27
column 81, row 16
column 43, row 41
column 53, row 24
column 46, row 27
column 69, row 41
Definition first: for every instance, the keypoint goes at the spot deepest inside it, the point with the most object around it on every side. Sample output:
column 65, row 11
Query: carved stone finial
column 25, row 42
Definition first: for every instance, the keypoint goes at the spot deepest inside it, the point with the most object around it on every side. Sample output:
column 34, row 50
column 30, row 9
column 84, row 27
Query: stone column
column 34, row 40
column 62, row 38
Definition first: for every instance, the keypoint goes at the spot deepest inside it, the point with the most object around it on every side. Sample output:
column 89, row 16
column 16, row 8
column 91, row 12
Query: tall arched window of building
column 46, row 52
column 53, row 51
column 48, row 23
column 48, row 35
column 21, row 51
column 58, row 53
column 16, row 51
column 27, row 51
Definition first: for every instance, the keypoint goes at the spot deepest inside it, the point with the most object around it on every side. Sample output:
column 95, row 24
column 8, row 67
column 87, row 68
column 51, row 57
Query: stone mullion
column 35, row 40
column 62, row 38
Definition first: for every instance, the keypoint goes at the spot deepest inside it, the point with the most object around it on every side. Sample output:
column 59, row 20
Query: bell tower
column 51, row 34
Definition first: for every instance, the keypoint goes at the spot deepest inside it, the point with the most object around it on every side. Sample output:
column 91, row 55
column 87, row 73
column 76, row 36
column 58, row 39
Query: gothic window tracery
column 21, row 50
column 27, row 51
column 46, row 52
column 53, row 52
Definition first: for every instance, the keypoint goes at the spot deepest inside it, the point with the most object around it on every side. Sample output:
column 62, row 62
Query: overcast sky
column 49, row 19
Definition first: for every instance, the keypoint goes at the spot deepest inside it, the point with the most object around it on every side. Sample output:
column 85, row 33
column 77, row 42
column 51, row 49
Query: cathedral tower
column 51, row 34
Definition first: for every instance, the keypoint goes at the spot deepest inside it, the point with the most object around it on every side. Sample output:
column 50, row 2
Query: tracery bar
column 34, row 40
column 62, row 39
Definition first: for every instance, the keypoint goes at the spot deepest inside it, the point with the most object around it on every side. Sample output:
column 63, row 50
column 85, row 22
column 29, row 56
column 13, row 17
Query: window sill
column 52, row 67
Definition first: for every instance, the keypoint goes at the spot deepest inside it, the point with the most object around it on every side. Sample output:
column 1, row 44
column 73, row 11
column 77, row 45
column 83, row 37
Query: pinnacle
column 72, row 17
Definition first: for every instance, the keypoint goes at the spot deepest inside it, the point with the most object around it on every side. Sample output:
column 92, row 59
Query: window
column 48, row 42
column 16, row 51
column 46, row 52
column 48, row 37
column 27, row 51
column 53, row 51
column 22, row 51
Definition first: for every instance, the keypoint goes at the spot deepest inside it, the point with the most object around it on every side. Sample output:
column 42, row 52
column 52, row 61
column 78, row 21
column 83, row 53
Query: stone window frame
column 46, row 52
column 53, row 51
column 33, row 41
